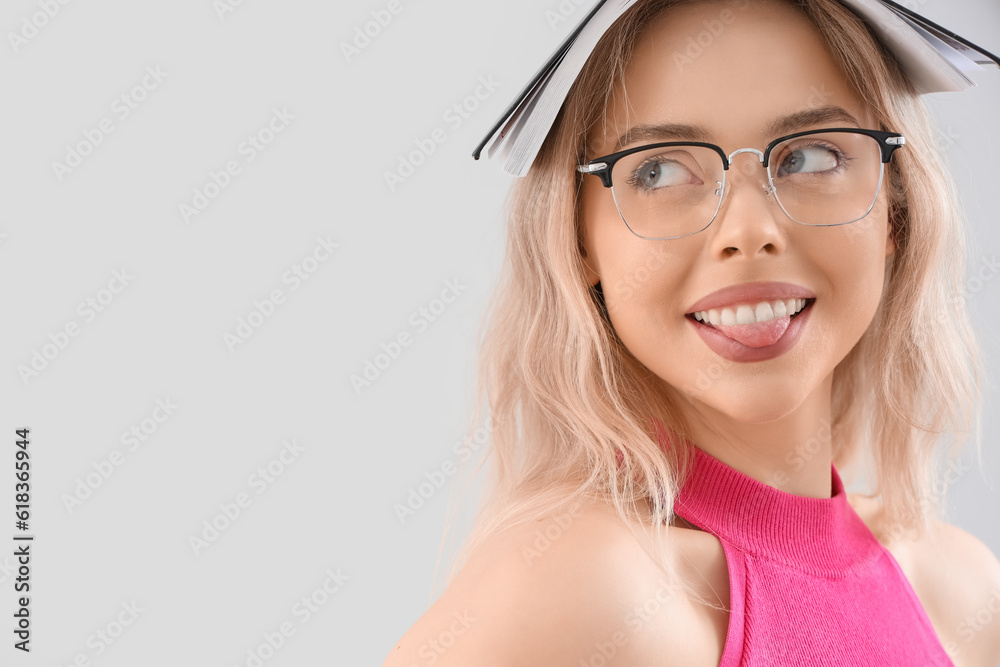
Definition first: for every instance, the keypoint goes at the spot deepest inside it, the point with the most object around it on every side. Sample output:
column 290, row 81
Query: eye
column 810, row 160
column 658, row 173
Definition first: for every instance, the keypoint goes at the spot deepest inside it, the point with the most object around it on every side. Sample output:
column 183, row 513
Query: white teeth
column 744, row 315
column 751, row 313
column 764, row 312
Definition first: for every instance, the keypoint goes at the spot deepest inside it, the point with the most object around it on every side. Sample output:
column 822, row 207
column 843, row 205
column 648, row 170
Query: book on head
column 935, row 59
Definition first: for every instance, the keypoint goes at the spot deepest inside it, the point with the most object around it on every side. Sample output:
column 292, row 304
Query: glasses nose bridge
column 768, row 186
column 760, row 154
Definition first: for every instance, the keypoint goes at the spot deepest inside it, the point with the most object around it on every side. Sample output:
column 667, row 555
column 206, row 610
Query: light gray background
column 162, row 336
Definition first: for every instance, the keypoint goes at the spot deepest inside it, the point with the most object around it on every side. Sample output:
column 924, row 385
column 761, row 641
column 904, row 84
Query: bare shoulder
column 960, row 578
column 957, row 579
column 570, row 589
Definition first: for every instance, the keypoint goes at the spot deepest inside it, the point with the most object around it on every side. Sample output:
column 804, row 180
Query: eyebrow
column 662, row 132
column 776, row 128
column 822, row 115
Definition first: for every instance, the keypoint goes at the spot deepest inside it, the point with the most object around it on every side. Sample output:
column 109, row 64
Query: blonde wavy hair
column 576, row 417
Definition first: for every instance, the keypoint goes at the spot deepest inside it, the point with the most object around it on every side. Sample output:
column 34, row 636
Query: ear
column 589, row 270
column 890, row 242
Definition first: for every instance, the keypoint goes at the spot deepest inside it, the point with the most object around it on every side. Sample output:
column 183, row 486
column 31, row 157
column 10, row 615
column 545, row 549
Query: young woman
column 684, row 358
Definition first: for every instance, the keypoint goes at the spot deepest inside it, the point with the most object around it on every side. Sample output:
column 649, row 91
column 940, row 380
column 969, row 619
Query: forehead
column 732, row 68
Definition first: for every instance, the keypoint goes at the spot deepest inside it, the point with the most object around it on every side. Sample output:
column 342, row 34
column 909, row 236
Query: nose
column 747, row 224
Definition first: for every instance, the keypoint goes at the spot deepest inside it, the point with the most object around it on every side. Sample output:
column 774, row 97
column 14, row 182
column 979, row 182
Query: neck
column 792, row 453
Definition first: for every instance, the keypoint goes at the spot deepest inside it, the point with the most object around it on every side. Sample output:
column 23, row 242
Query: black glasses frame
column 888, row 143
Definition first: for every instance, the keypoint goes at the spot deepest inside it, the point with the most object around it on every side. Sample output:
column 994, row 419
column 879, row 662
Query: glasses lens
column 827, row 178
column 669, row 191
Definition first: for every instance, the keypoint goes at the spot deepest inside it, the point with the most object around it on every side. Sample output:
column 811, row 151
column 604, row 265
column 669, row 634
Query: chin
column 756, row 405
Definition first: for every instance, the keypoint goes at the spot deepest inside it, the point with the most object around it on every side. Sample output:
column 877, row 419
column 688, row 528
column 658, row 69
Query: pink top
column 809, row 583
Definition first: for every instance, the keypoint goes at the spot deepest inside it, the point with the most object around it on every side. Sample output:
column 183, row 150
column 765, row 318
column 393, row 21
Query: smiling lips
column 752, row 321
column 756, row 325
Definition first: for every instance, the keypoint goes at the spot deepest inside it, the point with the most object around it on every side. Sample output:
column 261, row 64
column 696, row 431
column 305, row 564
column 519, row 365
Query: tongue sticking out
column 760, row 334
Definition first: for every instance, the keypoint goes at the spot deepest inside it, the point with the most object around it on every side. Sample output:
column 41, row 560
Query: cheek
column 853, row 259
column 640, row 278
column 646, row 308
column 645, row 302
column 642, row 287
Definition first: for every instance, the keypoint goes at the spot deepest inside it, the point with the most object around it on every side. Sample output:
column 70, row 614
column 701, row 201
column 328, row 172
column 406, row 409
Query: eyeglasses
column 821, row 177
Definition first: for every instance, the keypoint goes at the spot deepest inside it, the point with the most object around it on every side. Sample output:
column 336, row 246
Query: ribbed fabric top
column 809, row 583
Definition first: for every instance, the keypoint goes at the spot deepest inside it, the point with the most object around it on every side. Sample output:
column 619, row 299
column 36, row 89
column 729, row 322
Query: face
column 733, row 69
